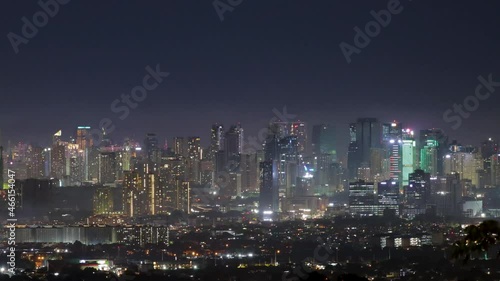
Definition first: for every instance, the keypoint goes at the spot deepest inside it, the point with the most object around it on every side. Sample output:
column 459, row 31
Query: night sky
column 264, row 55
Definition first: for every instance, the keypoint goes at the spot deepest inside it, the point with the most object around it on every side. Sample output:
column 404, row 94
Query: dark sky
column 264, row 55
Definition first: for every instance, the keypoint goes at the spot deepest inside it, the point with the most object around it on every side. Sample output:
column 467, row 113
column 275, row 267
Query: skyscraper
column 83, row 137
column 269, row 190
column 392, row 135
column 365, row 134
column 108, row 166
column 58, row 161
column 434, row 139
column 216, row 140
column 234, row 143
column 418, row 191
column 323, row 140
column 152, row 149
column 409, row 155
column 103, row 202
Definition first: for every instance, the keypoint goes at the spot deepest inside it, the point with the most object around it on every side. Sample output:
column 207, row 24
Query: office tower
column 154, row 194
column 249, row 169
column 193, row 160
column 269, row 190
column 323, row 172
column 365, row 135
column 364, row 172
column 83, row 137
column 132, row 184
column 58, row 161
column 35, row 162
column 392, row 135
column 429, row 157
column 216, row 140
column 337, row 177
column 103, row 201
column 284, row 129
column 409, row 155
column 56, row 138
column 495, row 170
column 184, row 197
column 323, row 140
column 108, row 166
column 93, row 164
column 362, row 198
column 379, row 165
column 180, row 146
column 418, row 191
column 439, row 142
column 220, row 162
column 288, row 153
column 388, row 196
column 152, row 149
column 207, row 170
column 233, row 143
column 488, row 149
column 453, row 195
column 353, row 154
column 464, row 161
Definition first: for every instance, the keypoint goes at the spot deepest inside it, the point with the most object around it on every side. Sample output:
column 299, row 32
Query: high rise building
column 323, row 140
column 495, row 170
column 409, row 155
column 103, row 202
column 439, row 141
column 56, row 138
column 429, row 157
column 35, row 162
column 193, row 160
column 184, row 197
column 365, row 135
column 84, row 138
column 418, row 191
column 234, row 143
column 464, row 161
column 284, row 129
column 392, row 136
column 362, row 198
column 216, row 140
column 181, row 146
column 108, row 166
column 269, row 190
column 388, row 196
column 58, row 161
column 132, row 185
column 152, row 149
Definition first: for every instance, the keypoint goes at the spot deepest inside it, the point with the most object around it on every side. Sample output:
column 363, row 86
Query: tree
column 478, row 239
